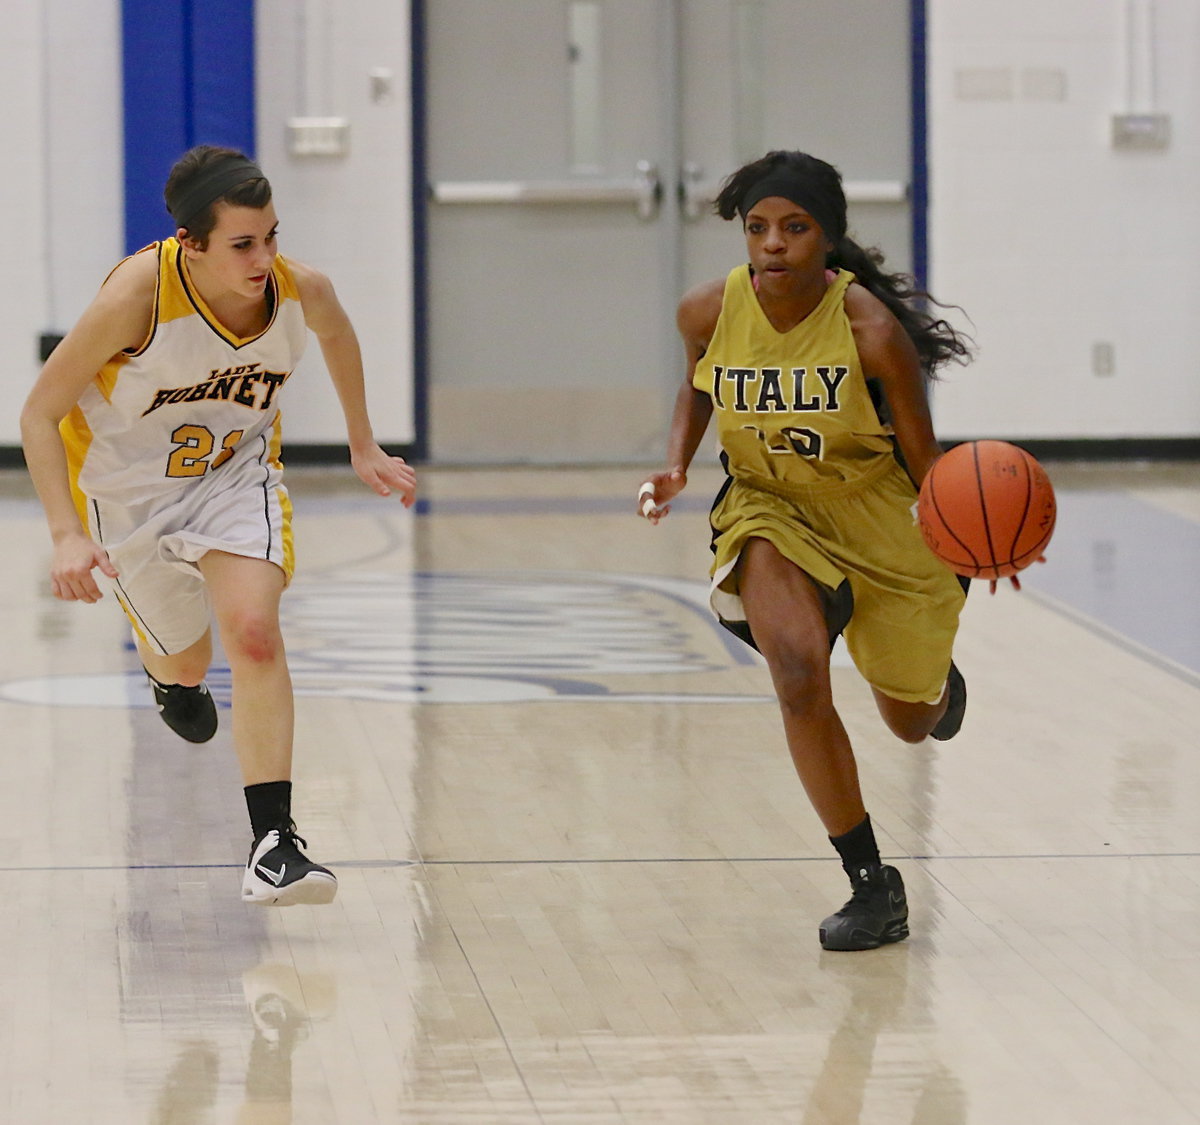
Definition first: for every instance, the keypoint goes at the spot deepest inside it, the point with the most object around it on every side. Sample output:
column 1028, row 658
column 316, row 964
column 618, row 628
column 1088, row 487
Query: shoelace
column 862, row 890
column 289, row 835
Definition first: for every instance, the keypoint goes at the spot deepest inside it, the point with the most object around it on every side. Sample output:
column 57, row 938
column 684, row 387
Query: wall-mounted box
column 318, row 136
column 1140, row 130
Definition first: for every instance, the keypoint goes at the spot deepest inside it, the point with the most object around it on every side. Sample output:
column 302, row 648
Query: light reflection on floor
column 576, row 911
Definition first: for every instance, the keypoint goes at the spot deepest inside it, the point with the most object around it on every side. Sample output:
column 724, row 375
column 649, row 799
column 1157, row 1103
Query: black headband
column 213, row 184
column 821, row 201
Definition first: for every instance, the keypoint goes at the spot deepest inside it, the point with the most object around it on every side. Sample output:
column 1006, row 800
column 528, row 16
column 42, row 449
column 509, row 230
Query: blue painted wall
column 919, row 190
column 187, row 79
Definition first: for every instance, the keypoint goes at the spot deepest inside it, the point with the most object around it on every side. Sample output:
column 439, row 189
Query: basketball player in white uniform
column 152, row 436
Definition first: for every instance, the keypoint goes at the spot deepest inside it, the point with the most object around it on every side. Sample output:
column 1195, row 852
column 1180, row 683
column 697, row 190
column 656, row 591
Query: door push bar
column 644, row 190
column 696, row 196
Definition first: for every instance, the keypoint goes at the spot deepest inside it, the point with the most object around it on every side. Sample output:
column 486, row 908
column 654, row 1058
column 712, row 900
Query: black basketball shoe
column 278, row 873
column 876, row 914
column 189, row 711
column 950, row 723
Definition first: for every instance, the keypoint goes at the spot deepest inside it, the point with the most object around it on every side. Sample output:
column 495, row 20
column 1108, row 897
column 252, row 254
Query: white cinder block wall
column 60, row 81
column 61, row 194
column 1063, row 249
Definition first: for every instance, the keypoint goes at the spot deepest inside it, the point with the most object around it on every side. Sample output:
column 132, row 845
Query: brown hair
column 198, row 165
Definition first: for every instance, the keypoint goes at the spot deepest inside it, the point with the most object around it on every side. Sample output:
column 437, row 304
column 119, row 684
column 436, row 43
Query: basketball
column 986, row 509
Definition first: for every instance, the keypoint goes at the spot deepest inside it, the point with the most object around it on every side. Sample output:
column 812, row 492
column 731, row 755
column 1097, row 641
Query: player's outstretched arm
column 324, row 315
column 118, row 318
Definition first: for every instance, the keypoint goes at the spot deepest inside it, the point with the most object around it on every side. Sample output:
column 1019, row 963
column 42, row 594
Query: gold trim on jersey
column 200, row 306
column 76, row 437
column 106, row 377
column 274, row 457
column 172, row 298
column 139, row 632
column 154, row 316
column 74, row 429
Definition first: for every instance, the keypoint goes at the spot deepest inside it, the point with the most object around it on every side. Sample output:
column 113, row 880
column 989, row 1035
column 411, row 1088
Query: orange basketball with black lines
column 986, row 509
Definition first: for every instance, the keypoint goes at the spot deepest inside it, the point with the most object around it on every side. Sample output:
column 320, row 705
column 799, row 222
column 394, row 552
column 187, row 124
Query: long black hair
column 819, row 187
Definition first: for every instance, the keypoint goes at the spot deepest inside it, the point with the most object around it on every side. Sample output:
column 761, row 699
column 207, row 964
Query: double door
column 574, row 148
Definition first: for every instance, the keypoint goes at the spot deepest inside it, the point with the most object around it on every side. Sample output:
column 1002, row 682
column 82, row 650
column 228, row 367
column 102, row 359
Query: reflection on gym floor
column 579, row 881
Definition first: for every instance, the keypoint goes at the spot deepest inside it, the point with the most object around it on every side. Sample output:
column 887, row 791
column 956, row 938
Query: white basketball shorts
column 242, row 508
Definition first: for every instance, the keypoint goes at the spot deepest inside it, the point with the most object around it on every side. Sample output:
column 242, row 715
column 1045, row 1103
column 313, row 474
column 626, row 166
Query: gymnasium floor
column 579, row 881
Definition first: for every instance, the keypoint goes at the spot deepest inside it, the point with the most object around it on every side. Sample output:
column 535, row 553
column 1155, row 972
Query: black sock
column 270, row 805
column 857, row 848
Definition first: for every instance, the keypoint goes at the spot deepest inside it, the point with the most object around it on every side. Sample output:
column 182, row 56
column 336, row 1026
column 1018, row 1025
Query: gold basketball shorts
column 906, row 603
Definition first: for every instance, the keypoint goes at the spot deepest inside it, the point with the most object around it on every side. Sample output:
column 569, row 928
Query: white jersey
column 160, row 416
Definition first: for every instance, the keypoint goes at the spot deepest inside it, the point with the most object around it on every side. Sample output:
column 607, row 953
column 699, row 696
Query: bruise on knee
column 252, row 639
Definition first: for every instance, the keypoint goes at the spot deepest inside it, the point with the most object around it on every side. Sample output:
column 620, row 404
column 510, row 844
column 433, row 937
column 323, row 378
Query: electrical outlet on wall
column 1104, row 362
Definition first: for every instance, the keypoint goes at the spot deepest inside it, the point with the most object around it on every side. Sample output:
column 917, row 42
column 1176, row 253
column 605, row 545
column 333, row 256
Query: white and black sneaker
column 278, row 873
column 189, row 711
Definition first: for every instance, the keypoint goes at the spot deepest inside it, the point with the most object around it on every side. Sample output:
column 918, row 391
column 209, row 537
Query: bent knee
column 911, row 733
column 802, row 685
column 909, row 722
column 253, row 638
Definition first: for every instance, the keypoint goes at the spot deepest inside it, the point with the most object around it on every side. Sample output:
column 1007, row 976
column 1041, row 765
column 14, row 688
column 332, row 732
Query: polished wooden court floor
column 579, row 881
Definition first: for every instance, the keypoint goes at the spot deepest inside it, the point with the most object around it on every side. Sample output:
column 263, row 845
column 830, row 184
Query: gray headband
column 213, row 184
column 822, row 203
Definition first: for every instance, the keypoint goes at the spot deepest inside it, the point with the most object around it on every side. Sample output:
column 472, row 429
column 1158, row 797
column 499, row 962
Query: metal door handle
column 696, row 196
column 644, row 191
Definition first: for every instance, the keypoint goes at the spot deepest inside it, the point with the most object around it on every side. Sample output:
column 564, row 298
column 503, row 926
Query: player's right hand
column 656, row 494
column 71, row 577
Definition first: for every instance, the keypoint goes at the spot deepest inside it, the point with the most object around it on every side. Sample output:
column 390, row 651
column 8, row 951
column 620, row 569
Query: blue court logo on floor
column 475, row 637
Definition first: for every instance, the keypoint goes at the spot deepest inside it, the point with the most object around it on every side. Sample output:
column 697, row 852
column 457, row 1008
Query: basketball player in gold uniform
column 814, row 362
column 153, row 436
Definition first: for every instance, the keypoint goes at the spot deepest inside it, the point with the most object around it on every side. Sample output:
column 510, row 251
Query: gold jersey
column 192, row 395
column 792, row 408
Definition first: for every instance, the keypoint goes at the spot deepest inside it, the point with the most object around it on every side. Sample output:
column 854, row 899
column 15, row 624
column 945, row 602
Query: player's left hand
column 1016, row 582
column 385, row 474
